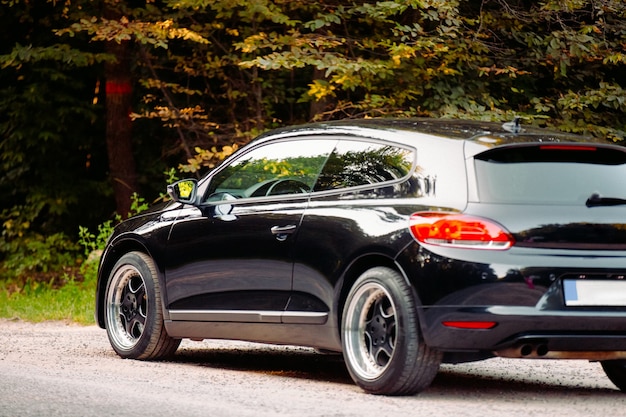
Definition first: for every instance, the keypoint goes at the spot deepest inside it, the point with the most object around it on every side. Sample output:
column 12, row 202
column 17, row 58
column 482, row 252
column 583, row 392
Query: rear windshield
column 550, row 174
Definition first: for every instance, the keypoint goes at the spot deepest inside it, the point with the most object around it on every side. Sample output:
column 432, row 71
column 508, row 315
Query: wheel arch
column 113, row 253
column 358, row 267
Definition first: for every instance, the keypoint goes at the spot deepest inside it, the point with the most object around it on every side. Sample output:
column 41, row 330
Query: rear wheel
column 133, row 315
column 382, row 342
column 616, row 371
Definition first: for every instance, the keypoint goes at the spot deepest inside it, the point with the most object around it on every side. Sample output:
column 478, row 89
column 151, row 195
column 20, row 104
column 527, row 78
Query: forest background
column 102, row 102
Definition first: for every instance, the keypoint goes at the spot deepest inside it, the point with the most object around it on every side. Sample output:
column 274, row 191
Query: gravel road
column 56, row 369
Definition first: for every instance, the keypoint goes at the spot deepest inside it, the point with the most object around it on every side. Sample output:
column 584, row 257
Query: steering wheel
column 288, row 186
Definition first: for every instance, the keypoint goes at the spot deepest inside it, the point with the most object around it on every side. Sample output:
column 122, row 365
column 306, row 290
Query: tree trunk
column 118, row 126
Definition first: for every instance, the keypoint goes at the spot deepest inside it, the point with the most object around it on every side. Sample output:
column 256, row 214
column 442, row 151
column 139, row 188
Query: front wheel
column 381, row 338
column 133, row 314
column 616, row 371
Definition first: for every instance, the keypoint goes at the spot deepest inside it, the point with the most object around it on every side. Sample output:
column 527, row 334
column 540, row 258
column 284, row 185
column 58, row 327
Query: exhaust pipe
column 526, row 350
column 529, row 350
column 541, row 351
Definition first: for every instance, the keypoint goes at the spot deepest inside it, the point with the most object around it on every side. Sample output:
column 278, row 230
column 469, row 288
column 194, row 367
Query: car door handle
column 282, row 232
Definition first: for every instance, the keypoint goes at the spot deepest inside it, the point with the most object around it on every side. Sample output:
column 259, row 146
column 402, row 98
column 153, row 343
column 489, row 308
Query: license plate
column 580, row 292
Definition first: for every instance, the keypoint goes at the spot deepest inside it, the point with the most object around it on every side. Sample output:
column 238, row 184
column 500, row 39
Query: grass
column 35, row 301
column 68, row 294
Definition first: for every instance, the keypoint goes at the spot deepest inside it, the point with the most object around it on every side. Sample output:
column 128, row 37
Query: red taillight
column 471, row 325
column 567, row 148
column 459, row 230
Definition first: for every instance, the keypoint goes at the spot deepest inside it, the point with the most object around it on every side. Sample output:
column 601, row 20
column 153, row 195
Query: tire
column 133, row 312
column 381, row 338
column 616, row 371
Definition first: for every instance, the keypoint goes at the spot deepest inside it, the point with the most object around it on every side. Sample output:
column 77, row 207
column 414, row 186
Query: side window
column 277, row 168
column 355, row 163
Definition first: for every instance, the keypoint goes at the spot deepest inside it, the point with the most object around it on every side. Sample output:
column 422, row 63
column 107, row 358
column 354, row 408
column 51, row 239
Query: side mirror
column 183, row 191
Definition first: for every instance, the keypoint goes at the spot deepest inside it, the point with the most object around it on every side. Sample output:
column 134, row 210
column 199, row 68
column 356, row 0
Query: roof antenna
column 514, row 126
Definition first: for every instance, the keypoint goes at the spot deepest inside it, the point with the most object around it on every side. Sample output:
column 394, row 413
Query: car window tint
column 549, row 174
column 277, row 168
column 355, row 163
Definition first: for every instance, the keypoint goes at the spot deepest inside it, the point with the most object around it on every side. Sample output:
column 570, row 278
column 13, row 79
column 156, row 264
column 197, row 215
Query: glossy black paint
column 277, row 269
column 210, row 257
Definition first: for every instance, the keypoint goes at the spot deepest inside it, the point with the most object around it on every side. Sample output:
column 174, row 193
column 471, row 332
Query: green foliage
column 50, row 147
column 93, row 243
column 138, row 205
column 63, row 53
column 152, row 33
column 41, row 279
column 34, row 256
column 266, row 62
column 213, row 72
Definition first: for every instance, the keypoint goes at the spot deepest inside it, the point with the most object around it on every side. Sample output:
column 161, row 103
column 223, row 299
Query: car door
column 231, row 259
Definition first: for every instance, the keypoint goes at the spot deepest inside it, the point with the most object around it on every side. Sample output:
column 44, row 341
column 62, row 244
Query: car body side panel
column 332, row 235
column 317, row 336
column 339, row 227
column 232, row 261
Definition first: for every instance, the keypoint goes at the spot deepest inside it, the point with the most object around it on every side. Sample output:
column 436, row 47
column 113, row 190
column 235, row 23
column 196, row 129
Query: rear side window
column 550, row 174
column 354, row 163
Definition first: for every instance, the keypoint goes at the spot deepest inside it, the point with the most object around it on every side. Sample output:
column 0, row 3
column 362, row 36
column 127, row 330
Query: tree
column 119, row 86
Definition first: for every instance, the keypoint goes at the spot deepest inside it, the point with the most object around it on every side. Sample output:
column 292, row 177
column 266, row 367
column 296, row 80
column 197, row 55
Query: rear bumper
column 528, row 332
column 520, row 294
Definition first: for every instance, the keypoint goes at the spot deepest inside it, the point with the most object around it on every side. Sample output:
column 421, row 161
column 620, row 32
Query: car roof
column 488, row 134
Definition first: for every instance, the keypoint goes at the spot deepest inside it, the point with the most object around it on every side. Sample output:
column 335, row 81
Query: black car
column 401, row 243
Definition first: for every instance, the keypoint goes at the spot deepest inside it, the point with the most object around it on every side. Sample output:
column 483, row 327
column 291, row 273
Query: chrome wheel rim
column 370, row 331
column 127, row 305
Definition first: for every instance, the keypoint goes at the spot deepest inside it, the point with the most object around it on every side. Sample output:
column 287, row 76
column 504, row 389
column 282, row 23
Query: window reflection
column 355, row 163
